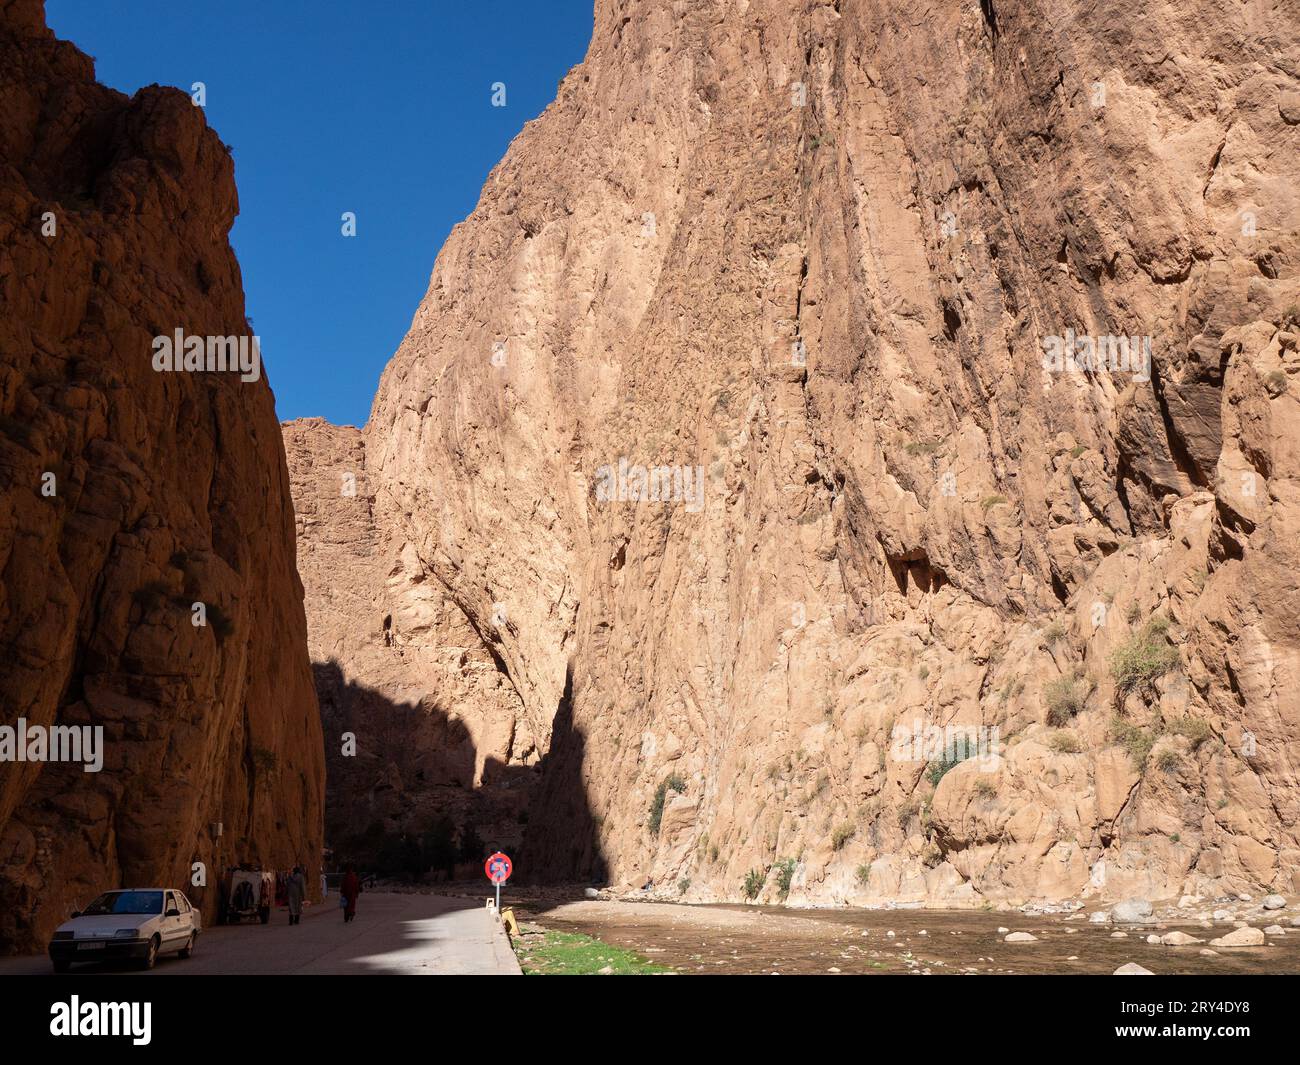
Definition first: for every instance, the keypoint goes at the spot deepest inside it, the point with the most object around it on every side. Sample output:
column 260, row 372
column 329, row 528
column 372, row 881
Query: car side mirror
column 173, row 912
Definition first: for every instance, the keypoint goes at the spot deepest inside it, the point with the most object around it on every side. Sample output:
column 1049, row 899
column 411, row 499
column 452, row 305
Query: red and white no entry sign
column 498, row 868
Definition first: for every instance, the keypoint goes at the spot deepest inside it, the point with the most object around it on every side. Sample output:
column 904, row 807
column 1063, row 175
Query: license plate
column 90, row 946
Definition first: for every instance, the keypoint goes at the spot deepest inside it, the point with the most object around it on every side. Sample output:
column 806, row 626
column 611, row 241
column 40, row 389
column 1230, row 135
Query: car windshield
column 125, row 902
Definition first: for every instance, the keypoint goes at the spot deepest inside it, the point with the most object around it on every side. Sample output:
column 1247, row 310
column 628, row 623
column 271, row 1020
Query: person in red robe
column 350, row 890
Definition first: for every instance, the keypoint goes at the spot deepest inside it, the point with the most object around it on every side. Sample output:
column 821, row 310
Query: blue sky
column 381, row 108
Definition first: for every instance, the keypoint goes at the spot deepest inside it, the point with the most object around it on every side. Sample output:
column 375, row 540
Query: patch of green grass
column 864, row 874
column 964, row 748
column 985, row 789
column 1064, row 743
column 995, row 500
column 573, row 954
column 784, row 875
column 1137, row 741
column 672, row 782
column 1144, row 657
column 928, row 447
column 753, row 884
column 1066, row 697
column 842, row 834
column 1168, row 762
column 1193, row 729
column 1054, row 633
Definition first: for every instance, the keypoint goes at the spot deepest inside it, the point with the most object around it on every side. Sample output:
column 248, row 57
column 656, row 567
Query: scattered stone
column 1274, row 902
column 605, row 970
column 1100, row 917
column 1275, row 930
column 1223, row 915
column 1154, row 940
column 1179, row 939
column 1208, row 953
column 1131, row 911
column 1020, row 937
column 1132, row 968
column 1119, row 935
column 1003, row 931
column 1242, row 937
column 591, row 893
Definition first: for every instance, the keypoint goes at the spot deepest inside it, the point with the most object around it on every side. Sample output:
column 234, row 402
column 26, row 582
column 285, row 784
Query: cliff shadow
column 405, row 794
column 562, row 842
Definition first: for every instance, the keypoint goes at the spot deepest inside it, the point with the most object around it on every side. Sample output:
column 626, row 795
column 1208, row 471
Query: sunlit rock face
column 127, row 496
column 816, row 381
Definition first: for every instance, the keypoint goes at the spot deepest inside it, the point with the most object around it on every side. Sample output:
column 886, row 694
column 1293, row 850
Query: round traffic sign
column 498, row 868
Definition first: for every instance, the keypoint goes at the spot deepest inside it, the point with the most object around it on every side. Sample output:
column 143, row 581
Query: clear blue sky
column 382, row 107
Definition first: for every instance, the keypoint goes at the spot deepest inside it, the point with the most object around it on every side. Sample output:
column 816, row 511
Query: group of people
column 348, row 891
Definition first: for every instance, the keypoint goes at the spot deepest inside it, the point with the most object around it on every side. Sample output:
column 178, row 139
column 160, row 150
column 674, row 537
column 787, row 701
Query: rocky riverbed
column 1184, row 938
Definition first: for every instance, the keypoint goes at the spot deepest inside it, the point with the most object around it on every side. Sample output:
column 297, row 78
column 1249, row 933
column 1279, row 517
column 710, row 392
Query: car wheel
column 187, row 951
column 62, row 966
column 147, row 962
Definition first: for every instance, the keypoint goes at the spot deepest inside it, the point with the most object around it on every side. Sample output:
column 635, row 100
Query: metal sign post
column 498, row 868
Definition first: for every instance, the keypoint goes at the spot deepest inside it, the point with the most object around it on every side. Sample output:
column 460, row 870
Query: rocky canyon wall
column 421, row 724
column 129, row 498
column 770, row 414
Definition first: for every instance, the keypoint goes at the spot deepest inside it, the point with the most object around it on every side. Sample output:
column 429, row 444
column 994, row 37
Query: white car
column 138, row 923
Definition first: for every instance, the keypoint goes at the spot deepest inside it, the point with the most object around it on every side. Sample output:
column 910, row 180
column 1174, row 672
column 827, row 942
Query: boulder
column 1241, row 937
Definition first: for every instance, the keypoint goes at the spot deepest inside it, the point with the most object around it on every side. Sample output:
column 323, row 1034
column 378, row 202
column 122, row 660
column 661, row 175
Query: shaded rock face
column 421, row 724
column 129, row 495
column 813, row 376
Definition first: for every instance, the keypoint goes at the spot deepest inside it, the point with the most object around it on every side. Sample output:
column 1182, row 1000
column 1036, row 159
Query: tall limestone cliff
column 769, row 417
column 127, row 496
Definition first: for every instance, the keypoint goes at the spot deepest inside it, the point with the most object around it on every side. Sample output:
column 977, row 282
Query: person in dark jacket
column 350, row 890
column 296, row 889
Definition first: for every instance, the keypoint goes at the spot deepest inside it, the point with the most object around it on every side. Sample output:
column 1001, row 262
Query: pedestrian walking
column 297, row 891
column 350, row 890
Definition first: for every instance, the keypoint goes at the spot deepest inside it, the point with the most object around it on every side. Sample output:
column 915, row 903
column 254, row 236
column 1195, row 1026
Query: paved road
column 413, row 935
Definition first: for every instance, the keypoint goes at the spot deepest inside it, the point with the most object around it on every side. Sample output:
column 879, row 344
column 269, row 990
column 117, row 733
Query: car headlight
column 124, row 933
